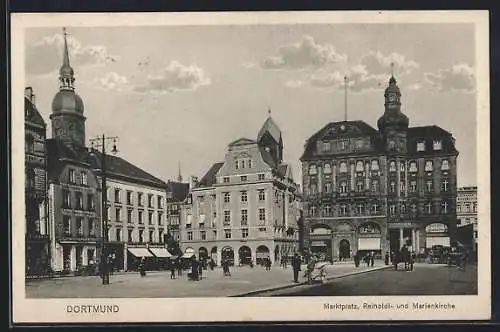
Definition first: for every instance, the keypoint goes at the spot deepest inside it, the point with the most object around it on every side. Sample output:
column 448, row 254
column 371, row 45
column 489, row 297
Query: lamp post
column 96, row 143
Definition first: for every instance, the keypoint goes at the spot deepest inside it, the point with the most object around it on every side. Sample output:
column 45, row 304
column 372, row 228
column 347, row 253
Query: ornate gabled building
column 246, row 208
column 376, row 190
column 74, row 195
column 37, row 235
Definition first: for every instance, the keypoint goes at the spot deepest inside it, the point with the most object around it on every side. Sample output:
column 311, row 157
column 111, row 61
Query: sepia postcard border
column 470, row 307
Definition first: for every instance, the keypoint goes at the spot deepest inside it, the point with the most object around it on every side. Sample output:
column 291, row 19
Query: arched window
column 359, row 166
column 428, row 166
column 327, row 168
column 375, row 165
column 360, row 186
column 392, row 166
column 343, row 167
column 445, row 165
column 343, row 187
column 30, row 144
column 313, row 170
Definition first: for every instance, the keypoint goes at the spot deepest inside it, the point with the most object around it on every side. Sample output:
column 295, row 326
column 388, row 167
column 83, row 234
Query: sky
column 180, row 94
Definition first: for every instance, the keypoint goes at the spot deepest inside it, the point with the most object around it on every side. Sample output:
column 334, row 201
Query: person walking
column 356, row 259
column 200, row 269
column 412, row 260
column 372, row 258
column 142, row 267
column 268, row 264
column 296, row 261
column 179, row 267
column 386, row 258
column 172, row 269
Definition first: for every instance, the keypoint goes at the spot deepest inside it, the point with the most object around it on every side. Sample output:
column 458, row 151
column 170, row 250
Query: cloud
column 45, row 56
column 460, row 77
column 113, row 81
column 371, row 73
column 294, row 84
column 304, row 54
column 175, row 77
column 249, row 65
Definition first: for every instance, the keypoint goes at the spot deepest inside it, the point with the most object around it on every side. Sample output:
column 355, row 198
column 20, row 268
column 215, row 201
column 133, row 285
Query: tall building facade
column 377, row 190
column 74, row 196
column 137, row 218
column 467, row 210
column 177, row 195
column 37, row 235
column 245, row 209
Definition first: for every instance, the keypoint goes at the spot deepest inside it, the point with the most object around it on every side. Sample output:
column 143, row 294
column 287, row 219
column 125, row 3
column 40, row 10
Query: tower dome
column 67, row 101
column 393, row 117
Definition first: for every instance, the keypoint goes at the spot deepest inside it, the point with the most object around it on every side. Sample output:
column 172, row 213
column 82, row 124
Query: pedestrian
column 172, row 269
column 372, row 259
column 194, row 268
column 268, row 264
column 296, row 261
column 386, row 258
column 367, row 260
column 404, row 256
column 412, row 260
column 200, row 269
column 142, row 267
column 356, row 259
column 179, row 267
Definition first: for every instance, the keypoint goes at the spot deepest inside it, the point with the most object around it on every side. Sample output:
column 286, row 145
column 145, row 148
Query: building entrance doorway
column 344, row 249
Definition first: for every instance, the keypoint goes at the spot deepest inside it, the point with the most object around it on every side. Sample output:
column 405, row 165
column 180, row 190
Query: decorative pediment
column 242, row 141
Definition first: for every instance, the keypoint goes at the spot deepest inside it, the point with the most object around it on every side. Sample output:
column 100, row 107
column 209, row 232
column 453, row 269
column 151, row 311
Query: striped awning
column 160, row 252
column 140, row 252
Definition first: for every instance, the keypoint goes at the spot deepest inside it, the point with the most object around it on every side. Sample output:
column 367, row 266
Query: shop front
column 136, row 254
column 436, row 234
column 161, row 257
column 369, row 240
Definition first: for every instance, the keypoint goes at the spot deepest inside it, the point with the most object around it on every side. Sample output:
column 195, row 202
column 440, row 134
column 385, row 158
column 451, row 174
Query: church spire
column 66, row 72
column 179, row 176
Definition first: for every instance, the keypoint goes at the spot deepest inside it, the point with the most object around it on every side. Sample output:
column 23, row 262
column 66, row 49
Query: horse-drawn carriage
column 316, row 272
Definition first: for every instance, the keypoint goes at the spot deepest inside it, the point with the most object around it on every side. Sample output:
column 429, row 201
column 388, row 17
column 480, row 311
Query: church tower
column 393, row 124
column 68, row 121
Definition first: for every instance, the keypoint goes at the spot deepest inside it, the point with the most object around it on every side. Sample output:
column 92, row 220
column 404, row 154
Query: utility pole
column 96, row 143
column 346, row 83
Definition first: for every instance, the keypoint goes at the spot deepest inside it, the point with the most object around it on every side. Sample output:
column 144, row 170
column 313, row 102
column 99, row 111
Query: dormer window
column 343, row 167
column 420, row 146
column 326, row 146
column 436, row 144
column 313, row 170
column 359, row 166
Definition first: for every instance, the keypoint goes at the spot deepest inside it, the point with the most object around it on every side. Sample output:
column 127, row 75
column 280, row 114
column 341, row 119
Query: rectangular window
column 227, row 217
column 436, row 144
column 392, row 187
column 141, row 236
column 79, row 227
column 119, row 234
column 150, row 200
column 244, row 196
column 203, row 235
column 467, row 207
column 413, row 167
column 360, row 186
column 343, row 210
column 160, row 235
column 92, row 226
column 459, row 208
column 129, row 215
column 428, row 185
column 326, row 146
column 72, row 176
column 444, row 185
column 243, row 178
column 90, row 202
column 118, row 214
column 413, row 186
column 262, row 195
column 262, row 216
column 152, row 236
column 244, row 217
column 402, row 187
column 139, row 199
column 227, row 197
column 150, row 218
column 83, row 178
column 343, row 187
column 214, row 235
column 140, row 217
column 375, row 185
column 227, row 233
column 67, row 225
column 129, row 197
column 428, row 166
column 190, row 236
column 129, row 235
column 244, row 233
column 160, row 202
column 117, row 195
column 392, row 209
column 79, row 200
column 66, row 199
column 226, row 179
column 261, row 176
column 420, row 146
column 160, row 218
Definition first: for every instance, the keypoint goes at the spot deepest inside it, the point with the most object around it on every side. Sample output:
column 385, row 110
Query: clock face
column 392, row 97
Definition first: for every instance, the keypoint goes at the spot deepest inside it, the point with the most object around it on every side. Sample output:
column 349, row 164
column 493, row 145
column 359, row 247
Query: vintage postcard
column 265, row 166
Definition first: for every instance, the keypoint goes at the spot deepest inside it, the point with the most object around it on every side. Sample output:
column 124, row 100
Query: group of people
column 368, row 259
column 406, row 256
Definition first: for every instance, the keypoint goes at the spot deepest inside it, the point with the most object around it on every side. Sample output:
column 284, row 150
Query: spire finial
column 346, row 85
column 66, row 73
column 179, row 176
column 269, row 110
column 392, row 69
column 66, row 53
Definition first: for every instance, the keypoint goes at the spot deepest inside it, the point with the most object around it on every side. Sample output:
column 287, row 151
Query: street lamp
column 96, row 143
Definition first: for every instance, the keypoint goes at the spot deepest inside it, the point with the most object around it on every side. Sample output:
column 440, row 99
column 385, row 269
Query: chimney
column 28, row 92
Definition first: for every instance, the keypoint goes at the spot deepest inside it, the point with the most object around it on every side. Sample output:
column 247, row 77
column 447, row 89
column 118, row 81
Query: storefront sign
column 368, row 229
column 436, row 228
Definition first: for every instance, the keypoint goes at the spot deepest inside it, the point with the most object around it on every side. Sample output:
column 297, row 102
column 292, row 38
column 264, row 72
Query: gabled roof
column 178, row 191
column 31, row 113
column 270, row 127
column 57, row 150
column 242, row 141
column 210, row 178
column 116, row 166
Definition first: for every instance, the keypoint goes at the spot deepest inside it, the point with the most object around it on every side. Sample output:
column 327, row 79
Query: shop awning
column 140, row 252
column 160, row 252
column 318, row 244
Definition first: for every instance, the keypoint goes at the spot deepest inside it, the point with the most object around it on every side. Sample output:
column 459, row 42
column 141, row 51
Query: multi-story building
column 177, row 194
column 376, row 190
column 245, row 208
column 37, row 236
column 74, row 209
column 137, row 212
column 467, row 210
